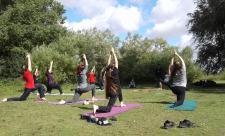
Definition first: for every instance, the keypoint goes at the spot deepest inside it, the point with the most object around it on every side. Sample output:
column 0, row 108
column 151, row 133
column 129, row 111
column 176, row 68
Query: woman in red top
column 29, row 85
column 92, row 80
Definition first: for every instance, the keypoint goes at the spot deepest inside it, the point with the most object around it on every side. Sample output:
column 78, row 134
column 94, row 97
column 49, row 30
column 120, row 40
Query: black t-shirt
column 115, row 76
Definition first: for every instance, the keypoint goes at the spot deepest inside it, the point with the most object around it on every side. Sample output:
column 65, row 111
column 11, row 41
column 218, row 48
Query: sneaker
column 103, row 122
column 168, row 124
column 186, row 124
column 4, row 100
column 62, row 102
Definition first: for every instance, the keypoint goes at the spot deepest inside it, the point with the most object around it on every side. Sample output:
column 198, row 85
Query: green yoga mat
column 188, row 105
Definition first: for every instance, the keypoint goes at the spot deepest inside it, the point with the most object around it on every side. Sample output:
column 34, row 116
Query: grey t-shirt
column 180, row 77
column 82, row 78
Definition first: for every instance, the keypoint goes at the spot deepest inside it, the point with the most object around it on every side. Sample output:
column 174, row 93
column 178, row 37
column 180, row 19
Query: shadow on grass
column 218, row 89
column 84, row 108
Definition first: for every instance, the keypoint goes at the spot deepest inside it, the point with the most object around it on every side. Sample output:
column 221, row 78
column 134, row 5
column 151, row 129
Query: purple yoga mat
column 77, row 102
column 115, row 111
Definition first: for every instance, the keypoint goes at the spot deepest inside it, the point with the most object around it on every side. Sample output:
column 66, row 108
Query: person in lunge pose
column 112, row 86
column 29, row 85
column 83, row 86
column 178, row 78
column 50, row 81
column 38, row 86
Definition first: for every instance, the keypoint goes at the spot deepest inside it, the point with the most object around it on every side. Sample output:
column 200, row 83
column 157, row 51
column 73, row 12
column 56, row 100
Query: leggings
column 103, row 109
column 54, row 86
column 80, row 91
column 112, row 101
column 23, row 97
column 41, row 89
column 180, row 92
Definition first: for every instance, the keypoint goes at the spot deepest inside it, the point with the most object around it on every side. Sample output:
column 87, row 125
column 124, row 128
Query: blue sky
column 165, row 19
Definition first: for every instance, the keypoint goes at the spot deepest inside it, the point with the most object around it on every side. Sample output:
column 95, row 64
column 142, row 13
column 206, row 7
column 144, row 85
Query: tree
column 4, row 4
column 25, row 24
column 207, row 26
column 67, row 51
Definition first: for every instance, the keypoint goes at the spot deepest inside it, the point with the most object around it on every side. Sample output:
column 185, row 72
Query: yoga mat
column 115, row 111
column 188, row 105
column 56, row 94
column 77, row 102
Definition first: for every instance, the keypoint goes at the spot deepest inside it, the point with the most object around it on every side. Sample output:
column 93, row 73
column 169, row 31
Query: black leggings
column 23, row 97
column 112, row 101
column 180, row 92
column 54, row 86
column 80, row 91
column 103, row 109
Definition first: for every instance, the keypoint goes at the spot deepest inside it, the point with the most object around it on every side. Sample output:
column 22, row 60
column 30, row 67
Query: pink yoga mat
column 77, row 102
column 115, row 111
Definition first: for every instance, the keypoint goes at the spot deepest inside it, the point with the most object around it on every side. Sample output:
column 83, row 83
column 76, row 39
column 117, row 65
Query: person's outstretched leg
column 49, row 89
column 41, row 89
column 92, row 88
column 57, row 86
column 23, row 97
column 103, row 109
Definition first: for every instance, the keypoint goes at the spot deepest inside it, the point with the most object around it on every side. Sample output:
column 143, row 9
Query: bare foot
column 122, row 104
column 95, row 107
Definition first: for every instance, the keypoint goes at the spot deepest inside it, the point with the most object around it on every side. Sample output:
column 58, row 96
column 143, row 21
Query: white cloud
column 89, row 8
column 136, row 1
column 117, row 19
column 170, row 19
column 186, row 40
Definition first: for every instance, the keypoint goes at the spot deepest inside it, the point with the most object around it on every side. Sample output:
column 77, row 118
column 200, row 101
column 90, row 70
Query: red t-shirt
column 91, row 77
column 28, row 78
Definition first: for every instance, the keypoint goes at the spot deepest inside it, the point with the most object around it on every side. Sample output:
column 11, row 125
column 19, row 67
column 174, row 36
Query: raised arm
column 115, row 58
column 85, row 60
column 180, row 58
column 29, row 62
column 50, row 68
column 36, row 72
column 170, row 66
column 93, row 69
column 109, row 60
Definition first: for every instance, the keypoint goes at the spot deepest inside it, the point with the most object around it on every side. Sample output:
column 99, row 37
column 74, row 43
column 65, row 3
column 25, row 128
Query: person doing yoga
column 112, row 85
column 38, row 86
column 50, row 81
column 178, row 78
column 83, row 86
column 29, row 85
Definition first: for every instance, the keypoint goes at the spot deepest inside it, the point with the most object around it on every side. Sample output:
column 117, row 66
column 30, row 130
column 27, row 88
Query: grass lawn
column 29, row 118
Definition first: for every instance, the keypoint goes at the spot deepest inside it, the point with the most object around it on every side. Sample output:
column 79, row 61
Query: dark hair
column 177, row 66
column 80, row 68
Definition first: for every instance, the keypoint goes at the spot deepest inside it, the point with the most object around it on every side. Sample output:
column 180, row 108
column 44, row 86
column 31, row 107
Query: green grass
column 29, row 118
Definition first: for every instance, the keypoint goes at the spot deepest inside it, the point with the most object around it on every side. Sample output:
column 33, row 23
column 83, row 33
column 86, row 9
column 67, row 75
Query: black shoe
column 186, row 124
column 168, row 124
column 103, row 122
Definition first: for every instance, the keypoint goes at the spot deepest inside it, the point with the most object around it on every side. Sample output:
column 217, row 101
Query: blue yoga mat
column 188, row 105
